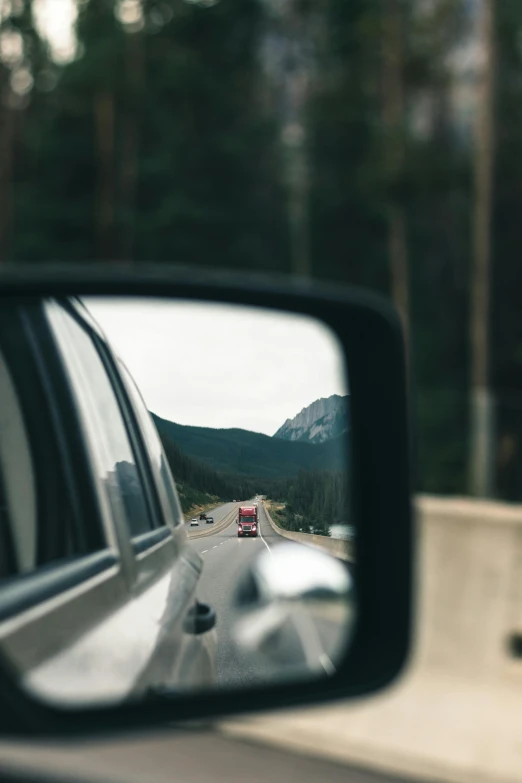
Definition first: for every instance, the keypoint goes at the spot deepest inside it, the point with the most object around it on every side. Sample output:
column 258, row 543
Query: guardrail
column 337, row 547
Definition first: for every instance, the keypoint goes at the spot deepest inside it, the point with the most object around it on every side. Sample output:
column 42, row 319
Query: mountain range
column 243, row 453
column 323, row 420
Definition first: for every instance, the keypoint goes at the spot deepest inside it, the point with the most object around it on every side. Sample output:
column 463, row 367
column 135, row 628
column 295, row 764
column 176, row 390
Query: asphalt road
column 219, row 515
column 226, row 559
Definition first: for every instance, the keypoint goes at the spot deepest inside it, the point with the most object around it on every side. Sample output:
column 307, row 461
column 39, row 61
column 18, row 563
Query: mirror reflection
column 294, row 604
column 175, row 498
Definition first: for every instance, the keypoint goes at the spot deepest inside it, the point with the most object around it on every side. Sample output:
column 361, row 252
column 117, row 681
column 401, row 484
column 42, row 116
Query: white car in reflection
column 194, row 522
column 98, row 581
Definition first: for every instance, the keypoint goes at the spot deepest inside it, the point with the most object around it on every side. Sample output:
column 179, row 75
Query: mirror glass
column 175, row 506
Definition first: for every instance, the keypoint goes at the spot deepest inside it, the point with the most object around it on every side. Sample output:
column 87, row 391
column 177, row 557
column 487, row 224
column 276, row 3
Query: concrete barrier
column 470, row 580
column 337, row 547
column 456, row 714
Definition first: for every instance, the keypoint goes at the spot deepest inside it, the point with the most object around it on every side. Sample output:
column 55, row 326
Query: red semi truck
column 247, row 521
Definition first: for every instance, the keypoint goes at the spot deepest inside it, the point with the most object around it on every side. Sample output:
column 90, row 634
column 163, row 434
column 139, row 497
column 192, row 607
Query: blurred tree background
column 330, row 139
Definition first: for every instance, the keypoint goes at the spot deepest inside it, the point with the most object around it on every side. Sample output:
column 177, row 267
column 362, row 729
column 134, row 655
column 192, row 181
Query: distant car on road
column 210, row 519
column 202, row 515
column 194, row 522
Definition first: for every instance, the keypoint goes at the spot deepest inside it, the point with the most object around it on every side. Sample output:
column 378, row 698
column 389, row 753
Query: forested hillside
column 252, row 454
column 199, row 484
column 316, row 498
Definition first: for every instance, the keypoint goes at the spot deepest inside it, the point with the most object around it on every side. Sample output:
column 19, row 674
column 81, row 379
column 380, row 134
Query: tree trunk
column 105, row 200
column 7, row 138
column 482, row 407
column 295, row 134
column 398, row 248
column 393, row 114
column 298, row 211
column 130, row 144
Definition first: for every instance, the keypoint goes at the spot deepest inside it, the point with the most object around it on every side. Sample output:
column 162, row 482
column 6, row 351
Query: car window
column 41, row 521
column 17, row 477
column 162, row 475
column 118, row 476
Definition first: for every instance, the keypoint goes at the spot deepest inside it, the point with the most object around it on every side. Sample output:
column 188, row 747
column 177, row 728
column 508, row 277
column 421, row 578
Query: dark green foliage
column 161, row 142
column 193, row 498
column 197, row 483
column 314, row 500
column 140, row 135
column 251, row 454
column 506, row 350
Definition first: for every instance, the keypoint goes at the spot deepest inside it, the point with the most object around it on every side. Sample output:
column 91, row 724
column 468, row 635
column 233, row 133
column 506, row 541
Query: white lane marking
column 308, row 634
column 311, row 640
column 262, row 539
column 327, row 664
column 205, row 550
column 215, row 547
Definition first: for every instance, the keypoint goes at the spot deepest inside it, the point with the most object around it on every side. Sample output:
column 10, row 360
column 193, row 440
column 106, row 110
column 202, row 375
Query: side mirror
column 295, row 607
column 110, row 610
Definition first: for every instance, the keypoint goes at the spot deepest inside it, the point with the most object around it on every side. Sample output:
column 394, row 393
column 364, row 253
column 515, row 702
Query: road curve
column 223, row 516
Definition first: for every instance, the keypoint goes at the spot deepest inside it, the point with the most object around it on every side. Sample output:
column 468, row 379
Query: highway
column 226, row 557
column 222, row 515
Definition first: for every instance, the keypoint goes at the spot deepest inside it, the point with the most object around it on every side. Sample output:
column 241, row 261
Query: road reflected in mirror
column 294, row 607
column 176, row 479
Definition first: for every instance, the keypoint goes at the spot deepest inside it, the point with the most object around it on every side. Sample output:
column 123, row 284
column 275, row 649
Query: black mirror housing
column 370, row 334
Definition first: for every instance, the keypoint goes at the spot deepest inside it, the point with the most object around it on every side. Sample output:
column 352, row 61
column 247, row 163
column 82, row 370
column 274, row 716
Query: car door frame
column 150, row 556
column 44, row 603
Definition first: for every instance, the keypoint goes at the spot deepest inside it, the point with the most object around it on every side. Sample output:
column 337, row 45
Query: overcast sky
column 222, row 366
